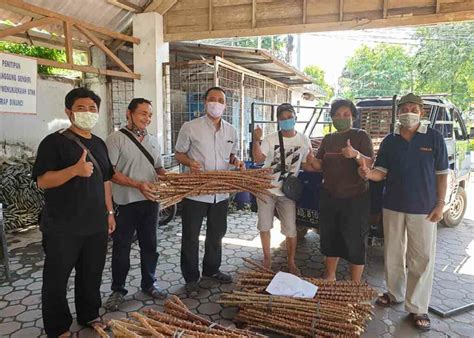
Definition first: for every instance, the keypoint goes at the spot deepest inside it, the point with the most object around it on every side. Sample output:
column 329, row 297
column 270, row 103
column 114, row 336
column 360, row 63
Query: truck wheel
column 454, row 215
column 301, row 231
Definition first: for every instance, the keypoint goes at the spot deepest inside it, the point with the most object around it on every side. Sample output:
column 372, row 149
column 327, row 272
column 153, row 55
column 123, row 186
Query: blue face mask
column 288, row 124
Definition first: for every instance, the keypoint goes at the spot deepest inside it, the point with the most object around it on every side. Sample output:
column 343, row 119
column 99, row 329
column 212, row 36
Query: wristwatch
column 110, row 212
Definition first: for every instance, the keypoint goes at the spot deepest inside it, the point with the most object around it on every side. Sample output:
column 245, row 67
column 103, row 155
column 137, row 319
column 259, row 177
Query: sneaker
column 155, row 292
column 192, row 289
column 114, row 301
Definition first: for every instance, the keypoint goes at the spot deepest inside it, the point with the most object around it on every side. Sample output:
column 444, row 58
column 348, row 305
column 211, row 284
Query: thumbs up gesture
column 82, row 167
column 348, row 151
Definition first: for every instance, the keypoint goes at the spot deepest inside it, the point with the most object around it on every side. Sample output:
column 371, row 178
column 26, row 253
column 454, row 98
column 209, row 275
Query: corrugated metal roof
column 97, row 12
column 256, row 60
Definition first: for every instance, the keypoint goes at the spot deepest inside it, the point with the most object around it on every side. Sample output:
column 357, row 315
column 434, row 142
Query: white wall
column 18, row 133
column 148, row 59
column 98, row 84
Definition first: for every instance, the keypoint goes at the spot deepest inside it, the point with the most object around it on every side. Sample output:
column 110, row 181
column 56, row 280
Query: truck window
column 444, row 122
column 459, row 131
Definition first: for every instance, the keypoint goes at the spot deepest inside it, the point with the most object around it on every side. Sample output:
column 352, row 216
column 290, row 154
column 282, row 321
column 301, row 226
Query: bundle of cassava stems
column 339, row 309
column 176, row 321
column 172, row 188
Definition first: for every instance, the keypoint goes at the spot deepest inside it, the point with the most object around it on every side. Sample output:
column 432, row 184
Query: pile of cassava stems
column 176, row 321
column 172, row 188
column 339, row 309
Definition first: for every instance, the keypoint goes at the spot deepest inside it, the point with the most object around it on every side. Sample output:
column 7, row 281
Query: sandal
column 221, row 277
column 192, row 289
column 385, row 300
column 422, row 322
column 96, row 323
column 114, row 301
column 155, row 293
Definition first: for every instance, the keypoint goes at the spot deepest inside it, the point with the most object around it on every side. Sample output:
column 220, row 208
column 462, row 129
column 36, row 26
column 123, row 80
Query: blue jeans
column 143, row 217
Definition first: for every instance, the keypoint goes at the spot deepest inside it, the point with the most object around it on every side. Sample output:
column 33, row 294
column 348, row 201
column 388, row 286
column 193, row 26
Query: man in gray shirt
column 135, row 156
column 204, row 144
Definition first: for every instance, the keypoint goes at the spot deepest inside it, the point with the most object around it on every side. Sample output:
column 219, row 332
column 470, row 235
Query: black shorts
column 343, row 226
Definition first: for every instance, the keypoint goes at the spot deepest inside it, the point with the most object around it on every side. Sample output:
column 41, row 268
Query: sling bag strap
column 282, row 154
column 73, row 137
column 291, row 187
column 139, row 145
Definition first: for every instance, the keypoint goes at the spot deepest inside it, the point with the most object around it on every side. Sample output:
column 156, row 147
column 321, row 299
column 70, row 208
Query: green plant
column 43, row 53
column 35, row 51
column 383, row 70
column 444, row 61
column 317, row 74
column 441, row 62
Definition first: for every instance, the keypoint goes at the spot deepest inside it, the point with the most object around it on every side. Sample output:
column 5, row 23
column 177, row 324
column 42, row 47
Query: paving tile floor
column 20, row 300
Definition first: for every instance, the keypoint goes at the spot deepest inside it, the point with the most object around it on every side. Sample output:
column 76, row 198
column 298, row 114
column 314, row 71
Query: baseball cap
column 410, row 98
column 285, row 107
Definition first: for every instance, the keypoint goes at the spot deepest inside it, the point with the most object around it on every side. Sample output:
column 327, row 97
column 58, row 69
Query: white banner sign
column 17, row 84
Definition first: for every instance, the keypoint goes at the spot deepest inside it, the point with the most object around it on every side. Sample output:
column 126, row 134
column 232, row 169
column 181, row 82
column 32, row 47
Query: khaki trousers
column 409, row 251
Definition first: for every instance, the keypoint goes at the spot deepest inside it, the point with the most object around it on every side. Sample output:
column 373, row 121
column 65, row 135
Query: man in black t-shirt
column 74, row 170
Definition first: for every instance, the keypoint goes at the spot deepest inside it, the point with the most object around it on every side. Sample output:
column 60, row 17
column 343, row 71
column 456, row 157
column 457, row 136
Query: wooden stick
column 123, row 329
column 101, row 332
column 144, row 322
column 259, row 266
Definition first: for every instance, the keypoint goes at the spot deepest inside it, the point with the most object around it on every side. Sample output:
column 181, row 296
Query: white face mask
column 215, row 109
column 409, row 120
column 85, row 120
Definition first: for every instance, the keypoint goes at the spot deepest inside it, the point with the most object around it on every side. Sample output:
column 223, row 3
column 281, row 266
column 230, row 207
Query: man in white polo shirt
column 135, row 155
column 204, row 144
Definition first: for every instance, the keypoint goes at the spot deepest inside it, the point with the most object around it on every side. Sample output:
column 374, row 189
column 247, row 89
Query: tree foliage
column 317, row 74
column 45, row 53
column 35, row 51
column 445, row 61
column 442, row 62
column 380, row 71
